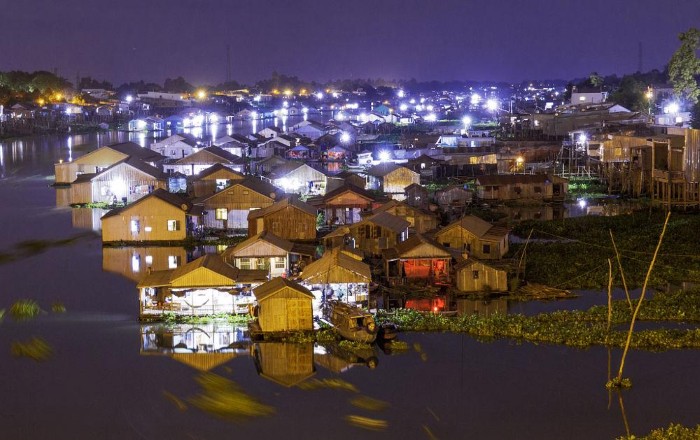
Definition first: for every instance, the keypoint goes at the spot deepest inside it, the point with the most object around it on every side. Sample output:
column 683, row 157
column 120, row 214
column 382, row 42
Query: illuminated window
column 279, row 263
column 135, row 226
column 149, row 259
column 261, row 263
column 221, row 184
column 148, row 229
column 173, row 225
column 135, row 263
column 221, row 214
column 173, row 262
column 245, row 263
column 474, row 160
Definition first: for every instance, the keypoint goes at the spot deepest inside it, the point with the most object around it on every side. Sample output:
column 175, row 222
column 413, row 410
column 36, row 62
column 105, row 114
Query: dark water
column 103, row 381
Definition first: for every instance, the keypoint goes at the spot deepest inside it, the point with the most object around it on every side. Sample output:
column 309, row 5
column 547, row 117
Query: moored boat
column 351, row 322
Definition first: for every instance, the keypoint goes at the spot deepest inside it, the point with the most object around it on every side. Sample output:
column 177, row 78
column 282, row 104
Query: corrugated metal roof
column 136, row 150
column 479, row 227
column 213, row 262
column 173, row 199
column 336, row 267
column 273, row 286
column 289, row 201
column 413, row 242
column 382, row 169
column 386, row 220
column 239, row 249
column 214, row 168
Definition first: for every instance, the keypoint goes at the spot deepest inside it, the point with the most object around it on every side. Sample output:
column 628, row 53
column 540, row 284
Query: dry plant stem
column 641, row 298
column 622, row 272
column 610, row 280
column 522, row 257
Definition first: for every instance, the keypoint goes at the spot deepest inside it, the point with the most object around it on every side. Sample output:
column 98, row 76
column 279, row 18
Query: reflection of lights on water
column 229, row 129
column 582, row 203
column 70, row 148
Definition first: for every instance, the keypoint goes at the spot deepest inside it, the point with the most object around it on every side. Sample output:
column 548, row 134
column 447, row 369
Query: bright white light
column 679, row 119
column 129, row 98
column 363, row 117
column 429, row 107
column 492, row 105
column 319, row 95
column 285, row 104
column 254, row 115
column 384, row 156
column 422, row 100
column 339, row 116
column 412, row 101
column 284, row 112
column 467, row 121
column 432, row 117
column 186, row 122
column 336, row 94
column 582, row 203
column 213, row 118
column 198, row 120
column 582, row 138
column 400, row 93
column 403, row 107
column 141, row 124
column 475, row 99
column 344, row 137
column 118, row 188
column 304, row 110
column 257, row 98
column 672, row 108
column 419, row 108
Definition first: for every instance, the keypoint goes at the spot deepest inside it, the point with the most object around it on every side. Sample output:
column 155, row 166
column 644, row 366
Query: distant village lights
column 467, row 121
column 384, row 156
column 492, row 105
column 672, row 108
column 345, row 137
column 400, row 93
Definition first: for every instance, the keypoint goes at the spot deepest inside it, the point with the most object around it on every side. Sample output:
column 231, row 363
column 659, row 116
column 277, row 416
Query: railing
column 185, row 310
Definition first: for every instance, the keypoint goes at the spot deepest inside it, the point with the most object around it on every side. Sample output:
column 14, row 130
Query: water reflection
column 284, row 363
column 202, row 346
column 482, row 307
column 87, row 218
column 135, row 262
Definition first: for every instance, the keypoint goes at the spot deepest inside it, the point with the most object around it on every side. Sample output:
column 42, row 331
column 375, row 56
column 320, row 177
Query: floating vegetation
column 367, row 422
column 336, row 384
column 354, row 345
column 618, row 383
column 574, row 328
column 673, row 432
column 225, row 399
column 25, row 309
column 36, row 349
column 58, row 307
column 369, row 403
column 172, row 318
column 398, row 345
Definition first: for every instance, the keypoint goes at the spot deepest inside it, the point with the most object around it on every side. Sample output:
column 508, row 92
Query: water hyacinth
column 36, row 349
column 25, row 309
column 225, row 399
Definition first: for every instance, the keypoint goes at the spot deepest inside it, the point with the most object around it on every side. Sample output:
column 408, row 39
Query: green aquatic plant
column 37, row 349
column 58, row 307
column 25, row 309
column 674, row 431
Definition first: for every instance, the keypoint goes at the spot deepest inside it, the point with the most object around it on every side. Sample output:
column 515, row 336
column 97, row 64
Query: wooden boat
column 351, row 322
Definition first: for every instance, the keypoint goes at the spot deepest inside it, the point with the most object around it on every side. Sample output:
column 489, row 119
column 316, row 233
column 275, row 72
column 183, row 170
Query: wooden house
column 311, row 129
column 339, row 274
column 289, row 218
column 476, row 237
column 205, row 286
column 427, row 167
column 285, row 363
column 391, row 179
column 229, row 209
column 345, row 178
column 344, row 205
column 270, row 132
column 284, row 305
column 454, row 197
column 268, row 252
column 135, row 262
column 371, row 235
column 675, row 173
column 126, row 181
column 202, row 159
column 266, row 165
column 159, row 216
column 417, row 258
column 176, row 146
column 419, row 220
column 478, row 276
column 417, row 196
column 299, row 178
column 102, row 158
column 507, row 187
column 214, row 179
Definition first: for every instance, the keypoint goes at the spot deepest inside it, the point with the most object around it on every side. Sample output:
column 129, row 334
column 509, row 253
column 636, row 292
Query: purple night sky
column 504, row 40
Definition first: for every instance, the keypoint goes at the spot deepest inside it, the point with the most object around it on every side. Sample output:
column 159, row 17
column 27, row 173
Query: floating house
column 229, row 208
column 475, row 275
column 344, row 205
column 339, row 274
column 289, row 218
column 391, row 179
column 284, row 305
column 507, row 187
column 269, row 252
column 476, row 237
column 159, row 216
column 418, row 258
column 214, row 179
column 419, row 220
column 205, row 286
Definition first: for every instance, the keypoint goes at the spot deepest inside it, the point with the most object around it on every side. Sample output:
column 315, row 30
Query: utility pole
column 228, row 63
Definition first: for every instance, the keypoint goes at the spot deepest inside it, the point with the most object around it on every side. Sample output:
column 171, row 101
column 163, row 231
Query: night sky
column 503, row 40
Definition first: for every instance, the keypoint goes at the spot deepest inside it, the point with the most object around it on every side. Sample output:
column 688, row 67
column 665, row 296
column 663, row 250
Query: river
column 108, row 377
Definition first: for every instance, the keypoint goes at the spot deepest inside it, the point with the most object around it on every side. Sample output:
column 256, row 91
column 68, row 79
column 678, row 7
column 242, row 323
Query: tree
column 685, row 65
column 630, row 94
column 177, row 85
column 695, row 116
